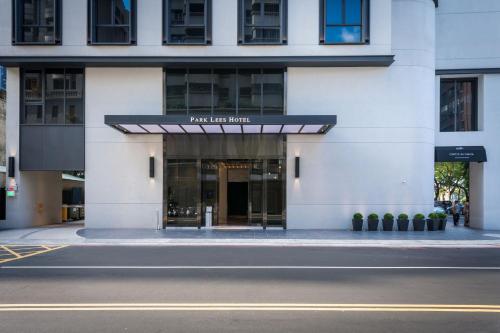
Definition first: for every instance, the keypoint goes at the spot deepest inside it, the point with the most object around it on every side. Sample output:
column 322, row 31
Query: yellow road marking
column 18, row 252
column 252, row 307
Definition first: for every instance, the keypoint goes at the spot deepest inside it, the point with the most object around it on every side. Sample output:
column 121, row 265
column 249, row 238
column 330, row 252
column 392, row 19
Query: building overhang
column 208, row 61
column 221, row 124
column 460, row 154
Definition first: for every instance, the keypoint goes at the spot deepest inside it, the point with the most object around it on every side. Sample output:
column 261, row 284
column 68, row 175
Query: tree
column 451, row 178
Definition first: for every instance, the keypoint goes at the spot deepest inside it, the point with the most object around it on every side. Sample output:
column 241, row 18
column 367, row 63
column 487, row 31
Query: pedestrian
column 455, row 210
column 466, row 213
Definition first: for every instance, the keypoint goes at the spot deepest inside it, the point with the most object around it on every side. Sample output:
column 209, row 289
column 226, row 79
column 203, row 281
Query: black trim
column 460, row 154
column 265, row 61
column 464, row 71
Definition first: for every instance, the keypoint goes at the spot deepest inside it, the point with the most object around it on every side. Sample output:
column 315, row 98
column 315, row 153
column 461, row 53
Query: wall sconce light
column 151, row 167
column 12, row 167
column 297, row 166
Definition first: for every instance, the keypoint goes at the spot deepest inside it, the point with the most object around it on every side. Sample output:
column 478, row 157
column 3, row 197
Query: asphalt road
column 251, row 289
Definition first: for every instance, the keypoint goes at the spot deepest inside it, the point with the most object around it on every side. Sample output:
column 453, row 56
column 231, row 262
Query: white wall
column 39, row 196
column 118, row 190
column 379, row 157
column 303, row 33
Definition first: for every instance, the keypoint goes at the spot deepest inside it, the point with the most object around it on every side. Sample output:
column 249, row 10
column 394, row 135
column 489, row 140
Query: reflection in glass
column 225, row 91
column 273, row 89
column 458, row 111
column 176, row 91
column 33, row 114
column 343, row 20
column 74, row 96
column 275, row 179
column 200, row 91
column 54, row 96
column 37, row 21
column 262, row 21
column 186, row 21
column 249, row 83
column 113, row 19
column 182, row 192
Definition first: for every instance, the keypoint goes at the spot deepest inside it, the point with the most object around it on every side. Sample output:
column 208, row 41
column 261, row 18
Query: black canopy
column 460, row 154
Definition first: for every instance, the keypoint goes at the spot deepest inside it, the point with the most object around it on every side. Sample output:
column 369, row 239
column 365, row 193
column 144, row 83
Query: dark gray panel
column 460, row 154
column 464, row 71
column 31, row 152
column 52, row 148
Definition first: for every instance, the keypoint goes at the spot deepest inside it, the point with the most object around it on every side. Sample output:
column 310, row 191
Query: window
column 458, row 111
column 53, row 96
column 224, row 91
column 344, row 21
column 36, row 22
column 262, row 21
column 187, row 22
column 112, row 22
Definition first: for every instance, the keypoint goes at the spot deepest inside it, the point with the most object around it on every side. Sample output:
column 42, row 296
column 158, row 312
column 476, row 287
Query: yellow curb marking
column 252, row 307
column 18, row 252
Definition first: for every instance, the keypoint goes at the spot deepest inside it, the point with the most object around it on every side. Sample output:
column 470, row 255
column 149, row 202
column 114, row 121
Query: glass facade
column 458, row 105
column 187, row 21
column 224, row 91
column 36, row 21
column 112, row 21
column 345, row 21
column 262, row 21
column 53, row 96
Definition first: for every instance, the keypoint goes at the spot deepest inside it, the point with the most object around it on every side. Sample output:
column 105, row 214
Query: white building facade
column 267, row 113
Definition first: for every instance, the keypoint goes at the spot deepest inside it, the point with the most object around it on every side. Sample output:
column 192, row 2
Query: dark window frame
column 237, row 89
column 167, row 25
column 365, row 23
column 475, row 102
column 18, row 19
column 92, row 25
column 42, row 102
column 283, row 40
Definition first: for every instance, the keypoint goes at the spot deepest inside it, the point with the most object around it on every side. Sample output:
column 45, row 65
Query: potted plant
column 433, row 222
column 419, row 222
column 443, row 218
column 403, row 222
column 388, row 222
column 357, row 222
column 372, row 222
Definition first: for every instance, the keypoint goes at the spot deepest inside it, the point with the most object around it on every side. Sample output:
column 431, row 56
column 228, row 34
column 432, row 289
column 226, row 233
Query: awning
column 460, row 154
column 216, row 124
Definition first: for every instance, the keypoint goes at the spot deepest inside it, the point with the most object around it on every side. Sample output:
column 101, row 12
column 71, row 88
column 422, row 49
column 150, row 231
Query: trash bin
column 208, row 216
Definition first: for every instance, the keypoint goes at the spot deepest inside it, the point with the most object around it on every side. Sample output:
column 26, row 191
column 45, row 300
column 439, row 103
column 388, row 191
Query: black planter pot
column 442, row 223
column 357, row 225
column 372, row 225
column 403, row 225
column 387, row 225
column 432, row 224
column 418, row 225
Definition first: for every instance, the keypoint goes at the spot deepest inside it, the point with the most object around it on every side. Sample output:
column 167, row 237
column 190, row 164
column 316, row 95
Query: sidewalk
column 77, row 235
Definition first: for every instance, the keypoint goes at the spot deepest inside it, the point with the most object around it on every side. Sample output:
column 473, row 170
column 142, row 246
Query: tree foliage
column 451, row 178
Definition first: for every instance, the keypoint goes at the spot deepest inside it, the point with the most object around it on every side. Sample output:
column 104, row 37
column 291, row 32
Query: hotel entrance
column 224, row 192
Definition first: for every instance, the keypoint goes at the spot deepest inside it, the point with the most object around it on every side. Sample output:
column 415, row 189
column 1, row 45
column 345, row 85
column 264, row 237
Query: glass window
column 224, row 91
column 200, row 91
column 249, row 85
column 37, row 22
column 112, row 21
column 262, row 21
column 182, row 192
column 53, row 96
column 344, row 21
column 187, row 21
column 458, row 111
column 176, row 94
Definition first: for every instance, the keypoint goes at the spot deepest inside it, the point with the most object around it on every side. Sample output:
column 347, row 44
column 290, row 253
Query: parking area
column 15, row 252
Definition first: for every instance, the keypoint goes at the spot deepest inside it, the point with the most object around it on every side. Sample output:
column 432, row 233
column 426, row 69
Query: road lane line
column 15, row 254
column 253, row 307
column 22, row 255
column 254, row 267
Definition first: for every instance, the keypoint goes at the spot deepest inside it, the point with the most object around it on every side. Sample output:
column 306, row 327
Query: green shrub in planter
column 433, row 222
column 442, row 221
column 372, row 222
column 388, row 222
column 357, row 222
column 403, row 222
column 419, row 222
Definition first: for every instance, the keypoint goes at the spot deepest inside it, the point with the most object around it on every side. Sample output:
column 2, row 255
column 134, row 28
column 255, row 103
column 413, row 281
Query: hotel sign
column 460, row 154
column 219, row 120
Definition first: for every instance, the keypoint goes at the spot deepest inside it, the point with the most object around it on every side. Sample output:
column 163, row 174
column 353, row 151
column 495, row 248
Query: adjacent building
column 265, row 113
